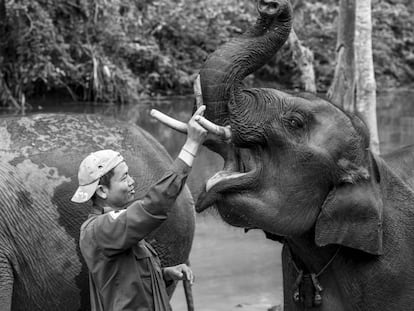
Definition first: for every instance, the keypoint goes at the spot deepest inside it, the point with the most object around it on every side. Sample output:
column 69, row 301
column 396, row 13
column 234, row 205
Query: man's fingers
column 191, row 277
column 200, row 128
column 188, row 275
column 221, row 131
column 199, row 111
column 210, row 126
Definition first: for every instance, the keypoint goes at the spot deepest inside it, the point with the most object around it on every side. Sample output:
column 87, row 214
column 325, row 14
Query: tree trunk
column 303, row 57
column 3, row 24
column 342, row 90
column 3, row 96
column 366, row 86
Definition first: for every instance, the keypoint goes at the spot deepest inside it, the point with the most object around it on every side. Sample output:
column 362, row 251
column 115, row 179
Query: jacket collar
column 98, row 210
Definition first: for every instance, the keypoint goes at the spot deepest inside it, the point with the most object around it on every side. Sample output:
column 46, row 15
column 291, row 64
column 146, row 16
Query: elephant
column 300, row 168
column 41, row 268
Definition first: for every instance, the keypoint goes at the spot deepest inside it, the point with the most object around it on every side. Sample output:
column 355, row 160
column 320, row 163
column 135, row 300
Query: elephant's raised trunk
column 231, row 63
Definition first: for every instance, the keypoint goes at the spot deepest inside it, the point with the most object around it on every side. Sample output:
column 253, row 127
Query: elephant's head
column 296, row 163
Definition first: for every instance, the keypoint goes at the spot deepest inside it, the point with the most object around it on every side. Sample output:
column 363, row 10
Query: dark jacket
column 124, row 270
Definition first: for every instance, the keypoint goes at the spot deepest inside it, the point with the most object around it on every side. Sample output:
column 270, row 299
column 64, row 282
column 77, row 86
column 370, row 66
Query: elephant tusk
column 197, row 91
column 168, row 121
column 224, row 132
column 221, row 131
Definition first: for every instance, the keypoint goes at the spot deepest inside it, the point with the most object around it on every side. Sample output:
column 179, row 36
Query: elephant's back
column 59, row 142
column 72, row 134
column 46, row 149
column 39, row 159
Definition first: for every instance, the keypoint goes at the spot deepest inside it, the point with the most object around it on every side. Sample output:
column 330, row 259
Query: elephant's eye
column 295, row 123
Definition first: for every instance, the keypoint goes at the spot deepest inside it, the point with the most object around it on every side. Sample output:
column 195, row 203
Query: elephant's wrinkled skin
column 300, row 169
column 40, row 263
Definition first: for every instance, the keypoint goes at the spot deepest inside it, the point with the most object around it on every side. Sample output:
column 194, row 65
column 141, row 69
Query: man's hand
column 179, row 272
column 196, row 133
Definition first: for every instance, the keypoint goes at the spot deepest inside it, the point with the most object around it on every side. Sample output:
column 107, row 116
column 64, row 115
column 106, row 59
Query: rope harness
column 307, row 288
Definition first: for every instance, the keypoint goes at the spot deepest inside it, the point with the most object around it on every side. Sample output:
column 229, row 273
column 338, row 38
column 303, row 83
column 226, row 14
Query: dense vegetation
column 120, row 51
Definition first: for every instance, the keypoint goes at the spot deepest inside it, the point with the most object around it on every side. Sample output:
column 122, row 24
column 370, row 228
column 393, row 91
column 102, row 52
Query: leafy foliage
column 121, row 51
column 393, row 42
column 110, row 50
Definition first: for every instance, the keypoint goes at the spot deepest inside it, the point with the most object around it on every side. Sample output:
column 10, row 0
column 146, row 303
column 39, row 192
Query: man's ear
column 102, row 192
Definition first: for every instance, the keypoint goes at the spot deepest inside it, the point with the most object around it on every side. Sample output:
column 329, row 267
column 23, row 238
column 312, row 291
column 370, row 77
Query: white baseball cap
column 91, row 169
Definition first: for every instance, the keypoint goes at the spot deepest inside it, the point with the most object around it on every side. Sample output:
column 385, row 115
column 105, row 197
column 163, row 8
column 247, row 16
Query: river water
column 236, row 270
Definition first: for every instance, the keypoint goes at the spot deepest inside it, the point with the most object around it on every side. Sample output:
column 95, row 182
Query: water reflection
column 232, row 267
column 395, row 116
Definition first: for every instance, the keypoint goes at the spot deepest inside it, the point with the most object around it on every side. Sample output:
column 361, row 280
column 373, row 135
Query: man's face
column 121, row 190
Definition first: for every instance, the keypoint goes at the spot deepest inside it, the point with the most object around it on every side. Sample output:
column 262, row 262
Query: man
column 124, row 270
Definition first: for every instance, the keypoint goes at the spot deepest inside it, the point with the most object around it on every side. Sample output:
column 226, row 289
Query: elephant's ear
column 352, row 216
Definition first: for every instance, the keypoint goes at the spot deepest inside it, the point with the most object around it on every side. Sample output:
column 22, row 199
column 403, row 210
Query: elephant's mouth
column 240, row 173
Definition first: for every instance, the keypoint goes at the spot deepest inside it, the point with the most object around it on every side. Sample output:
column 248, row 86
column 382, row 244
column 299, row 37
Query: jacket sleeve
column 117, row 231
